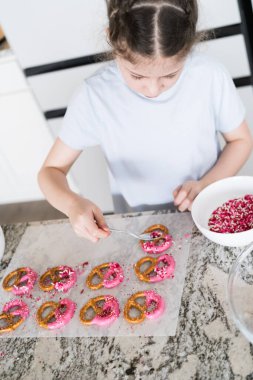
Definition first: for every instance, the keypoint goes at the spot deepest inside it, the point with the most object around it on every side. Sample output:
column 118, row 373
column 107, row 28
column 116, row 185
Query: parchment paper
column 44, row 246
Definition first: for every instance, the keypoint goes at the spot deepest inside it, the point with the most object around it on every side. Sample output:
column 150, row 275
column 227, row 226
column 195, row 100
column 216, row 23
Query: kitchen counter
column 207, row 344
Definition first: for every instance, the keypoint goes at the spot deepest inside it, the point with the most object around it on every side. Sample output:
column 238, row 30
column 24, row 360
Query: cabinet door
column 227, row 50
column 54, row 90
column 216, row 13
column 11, row 77
column 24, row 143
column 47, row 31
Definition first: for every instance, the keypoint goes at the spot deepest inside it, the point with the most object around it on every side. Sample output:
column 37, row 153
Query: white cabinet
column 24, row 136
column 54, row 90
column 48, row 31
column 227, row 50
column 216, row 13
column 11, row 78
column 24, row 143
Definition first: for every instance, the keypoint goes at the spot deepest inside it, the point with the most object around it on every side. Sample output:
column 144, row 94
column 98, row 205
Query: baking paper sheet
column 49, row 245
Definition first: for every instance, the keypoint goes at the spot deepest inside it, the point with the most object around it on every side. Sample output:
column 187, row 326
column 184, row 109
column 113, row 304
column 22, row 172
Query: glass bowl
column 2, row 243
column 240, row 292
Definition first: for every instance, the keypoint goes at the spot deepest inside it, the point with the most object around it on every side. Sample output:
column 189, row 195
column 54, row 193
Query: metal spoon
column 146, row 236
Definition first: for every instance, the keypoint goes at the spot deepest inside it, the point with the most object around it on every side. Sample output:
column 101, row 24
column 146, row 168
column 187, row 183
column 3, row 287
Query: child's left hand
column 185, row 194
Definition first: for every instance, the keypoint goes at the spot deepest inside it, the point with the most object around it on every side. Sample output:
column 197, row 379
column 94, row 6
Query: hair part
column 151, row 28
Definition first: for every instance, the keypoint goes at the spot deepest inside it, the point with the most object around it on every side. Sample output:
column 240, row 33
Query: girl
column 156, row 110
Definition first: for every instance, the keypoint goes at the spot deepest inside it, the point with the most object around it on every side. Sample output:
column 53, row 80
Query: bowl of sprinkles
column 223, row 211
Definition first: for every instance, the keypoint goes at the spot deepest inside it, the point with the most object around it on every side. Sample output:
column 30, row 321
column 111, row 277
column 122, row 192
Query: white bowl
column 214, row 196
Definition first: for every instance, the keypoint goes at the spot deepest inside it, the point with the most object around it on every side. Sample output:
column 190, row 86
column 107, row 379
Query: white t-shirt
column 154, row 145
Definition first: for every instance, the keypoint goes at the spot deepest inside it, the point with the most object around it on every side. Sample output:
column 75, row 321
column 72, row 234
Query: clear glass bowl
column 240, row 292
column 2, row 243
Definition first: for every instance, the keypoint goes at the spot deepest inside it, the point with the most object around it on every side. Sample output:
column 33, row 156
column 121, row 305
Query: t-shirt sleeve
column 229, row 109
column 79, row 127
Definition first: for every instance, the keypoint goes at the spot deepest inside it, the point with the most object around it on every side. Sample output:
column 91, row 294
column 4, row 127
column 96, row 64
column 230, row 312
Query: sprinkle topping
column 234, row 216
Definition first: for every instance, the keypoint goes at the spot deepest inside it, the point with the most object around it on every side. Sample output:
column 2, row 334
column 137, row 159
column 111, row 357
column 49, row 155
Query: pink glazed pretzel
column 21, row 281
column 152, row 308
column 20, row 310
column 60, row 313
column 61, row 278
column 105, row 314
column 110, row 278
column 155, row 272
column 162, row 241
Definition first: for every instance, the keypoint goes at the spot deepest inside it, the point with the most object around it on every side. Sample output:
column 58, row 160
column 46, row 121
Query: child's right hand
column 87, row 219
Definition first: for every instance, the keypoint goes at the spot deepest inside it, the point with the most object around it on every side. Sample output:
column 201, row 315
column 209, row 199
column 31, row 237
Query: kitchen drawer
column 216, row 13
column 227, row 50
column 48, row 31
column 55, row 89
column 90, row 173
column 11, row 76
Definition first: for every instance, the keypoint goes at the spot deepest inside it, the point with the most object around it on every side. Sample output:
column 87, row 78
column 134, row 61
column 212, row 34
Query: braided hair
column 152, row 27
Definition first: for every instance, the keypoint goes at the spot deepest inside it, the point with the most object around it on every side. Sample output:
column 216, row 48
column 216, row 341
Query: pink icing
column 116, row 272
column 110, row 312
column 69, row 276
column 19, row 307
column 166, row 271
column 29, row 278
column 152, row 298
column 62, row 318
column 151, row 247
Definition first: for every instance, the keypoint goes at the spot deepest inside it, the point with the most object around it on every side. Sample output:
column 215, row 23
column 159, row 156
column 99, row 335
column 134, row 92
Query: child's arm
column 85, row 217
column 238, row 147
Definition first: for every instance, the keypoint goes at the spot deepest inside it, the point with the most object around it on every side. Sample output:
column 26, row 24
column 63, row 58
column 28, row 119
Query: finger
column 94, row 230
column 101, row 223
column 180, row 197
column 193, row 193
column 175, row 192
column 184, row 205
column 84, row 233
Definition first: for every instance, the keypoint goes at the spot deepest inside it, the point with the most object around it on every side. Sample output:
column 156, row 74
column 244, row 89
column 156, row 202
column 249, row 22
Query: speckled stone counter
column 207, row 344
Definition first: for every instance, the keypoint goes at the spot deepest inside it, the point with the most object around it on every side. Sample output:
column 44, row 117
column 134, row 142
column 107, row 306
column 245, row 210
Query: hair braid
column 150, row 27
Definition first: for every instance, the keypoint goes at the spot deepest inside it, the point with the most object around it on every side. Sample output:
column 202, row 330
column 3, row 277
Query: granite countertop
column 207, row 344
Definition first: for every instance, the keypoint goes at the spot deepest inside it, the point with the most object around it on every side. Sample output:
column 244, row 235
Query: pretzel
column 20, row 281
column 145, row 310
column 162, row 241
column 154, row 272
column 58, row 315
column 105, row 314
column 110, row 278
column 13, row 318
column 60, row 278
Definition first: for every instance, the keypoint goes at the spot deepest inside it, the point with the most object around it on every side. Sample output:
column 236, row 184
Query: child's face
column 151, row 77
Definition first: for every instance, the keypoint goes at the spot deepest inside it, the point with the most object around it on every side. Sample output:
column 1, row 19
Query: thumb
column 176, row 191
column 100, row 220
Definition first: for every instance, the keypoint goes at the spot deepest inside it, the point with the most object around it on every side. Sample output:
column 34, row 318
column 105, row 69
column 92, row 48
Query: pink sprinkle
column 234, row 216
